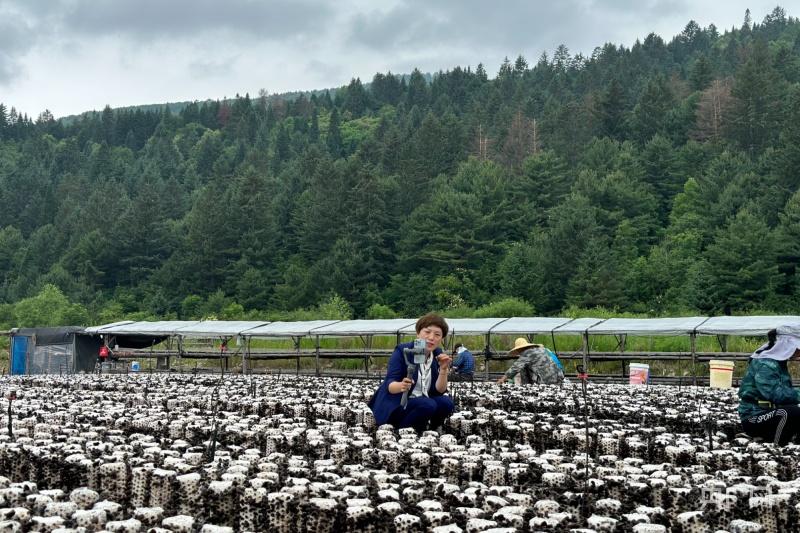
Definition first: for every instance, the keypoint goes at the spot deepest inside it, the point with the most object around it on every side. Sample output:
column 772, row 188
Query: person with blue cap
column 768, row 403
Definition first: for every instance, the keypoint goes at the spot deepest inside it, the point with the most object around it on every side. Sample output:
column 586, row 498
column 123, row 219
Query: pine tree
column 417, row 94
column 609, row 111
column 333, row 140
column 756, row 92
column 787, row 153
column 313, row 130
column 788, row 236
column 742, row 263
column 701, row 73
column 650, row 113
column 3, row 121
column 356, row 99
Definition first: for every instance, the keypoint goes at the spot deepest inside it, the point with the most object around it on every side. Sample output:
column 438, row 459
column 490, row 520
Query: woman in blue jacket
column 427, row 404
column 768, row 406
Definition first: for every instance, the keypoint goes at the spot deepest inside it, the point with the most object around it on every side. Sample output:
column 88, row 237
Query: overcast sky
column 70, row 56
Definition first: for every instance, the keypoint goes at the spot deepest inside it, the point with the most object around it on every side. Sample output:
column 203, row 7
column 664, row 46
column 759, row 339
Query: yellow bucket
column 721, row 373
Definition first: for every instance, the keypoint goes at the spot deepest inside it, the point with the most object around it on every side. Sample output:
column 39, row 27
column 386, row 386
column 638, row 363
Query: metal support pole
column 316, row 355
column 367, row 348
column 180, row 356
column 246, row 356
column 297, row 358
column 488, row 347
column 586, row 351
column 487, row 353
column 693, row 341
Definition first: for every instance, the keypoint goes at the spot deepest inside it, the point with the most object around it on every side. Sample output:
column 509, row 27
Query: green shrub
column 380, row 311
column 505, row 308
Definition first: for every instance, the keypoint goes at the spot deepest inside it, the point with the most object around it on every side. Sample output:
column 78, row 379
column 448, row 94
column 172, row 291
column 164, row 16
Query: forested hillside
column 657, row 178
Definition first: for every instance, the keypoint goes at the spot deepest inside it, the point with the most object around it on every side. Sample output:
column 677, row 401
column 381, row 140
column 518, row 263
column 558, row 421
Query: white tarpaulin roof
column 577, row 326
column 166, row 327
column 648, row 326
column 471, row 326
column 721, row 325
column 743, row 325
column 100, row 329
column 218, row 328
column 520, row 325
column 288, row 329
column 462, row 326
column 352, row 328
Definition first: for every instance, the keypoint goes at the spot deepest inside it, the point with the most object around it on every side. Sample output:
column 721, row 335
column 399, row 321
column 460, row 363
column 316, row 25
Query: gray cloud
column 327, row 71
column 15, row 41
column 275, row 19
column 25, row 24
column 211, row 69
column 513, row 26
column 174, row 19
column 156, row 50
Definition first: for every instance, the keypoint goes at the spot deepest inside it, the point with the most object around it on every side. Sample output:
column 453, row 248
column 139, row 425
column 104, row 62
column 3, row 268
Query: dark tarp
column 135, row 341
column 87, row 348
column 49, row 336
column 58, row 350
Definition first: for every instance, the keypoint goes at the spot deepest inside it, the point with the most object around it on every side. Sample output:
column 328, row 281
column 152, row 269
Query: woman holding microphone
column 427, row 406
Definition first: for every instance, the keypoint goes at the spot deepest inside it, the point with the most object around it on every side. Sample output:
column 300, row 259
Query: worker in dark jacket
column 768, row 406
column 427, row 403
column 463, row 367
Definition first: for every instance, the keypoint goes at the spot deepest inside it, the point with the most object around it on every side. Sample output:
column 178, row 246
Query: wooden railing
column 368, row 357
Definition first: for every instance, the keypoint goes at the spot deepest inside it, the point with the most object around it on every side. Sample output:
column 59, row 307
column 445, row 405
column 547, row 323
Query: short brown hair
column 432, row 319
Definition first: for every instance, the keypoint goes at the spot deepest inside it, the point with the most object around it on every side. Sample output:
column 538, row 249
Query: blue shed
column 60, row 350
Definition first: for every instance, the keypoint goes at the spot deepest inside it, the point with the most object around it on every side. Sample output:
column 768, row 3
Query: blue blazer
column 383, row 402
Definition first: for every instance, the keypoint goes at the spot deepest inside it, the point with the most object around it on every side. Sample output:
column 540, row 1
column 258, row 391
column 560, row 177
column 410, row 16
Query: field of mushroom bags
column 168, row 452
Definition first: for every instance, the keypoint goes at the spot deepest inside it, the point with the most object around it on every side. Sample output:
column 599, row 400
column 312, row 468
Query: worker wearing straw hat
column 768, row 404
column 534, row 365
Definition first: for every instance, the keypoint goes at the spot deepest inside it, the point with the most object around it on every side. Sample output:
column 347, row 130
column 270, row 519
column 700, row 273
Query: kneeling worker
column 534, row 365
column 768, row 406
column 463, row 364
column 427, row 406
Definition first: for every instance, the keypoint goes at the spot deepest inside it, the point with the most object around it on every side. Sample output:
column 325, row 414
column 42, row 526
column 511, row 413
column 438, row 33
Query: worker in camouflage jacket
column 768, row 403
column 534, row 365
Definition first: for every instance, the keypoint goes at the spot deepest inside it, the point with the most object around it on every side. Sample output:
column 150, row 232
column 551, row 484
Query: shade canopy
column 462, row 326
column 679, row 326
column 744, row 325
column 648, row 326
column 97, row 329
column 355, row 328
column 522, row 325
column 579, row 326
column 288, row 329
column 219, row 328
column 164, row 327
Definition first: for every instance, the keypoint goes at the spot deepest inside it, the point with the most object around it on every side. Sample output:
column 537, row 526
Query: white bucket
column 134, row 366
column 721, row 373
column 639, row 374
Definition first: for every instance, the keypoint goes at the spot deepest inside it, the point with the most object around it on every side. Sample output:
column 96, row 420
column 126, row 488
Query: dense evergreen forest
column 659, row 179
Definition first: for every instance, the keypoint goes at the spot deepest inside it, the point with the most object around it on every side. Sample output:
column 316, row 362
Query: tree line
column 657, row 179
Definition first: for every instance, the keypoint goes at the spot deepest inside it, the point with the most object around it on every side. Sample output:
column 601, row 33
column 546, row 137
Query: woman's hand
column 400, row 387
column 444, row 361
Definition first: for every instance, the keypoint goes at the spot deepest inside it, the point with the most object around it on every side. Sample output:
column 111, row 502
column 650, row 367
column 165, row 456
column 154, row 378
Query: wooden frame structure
column 179, row 333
